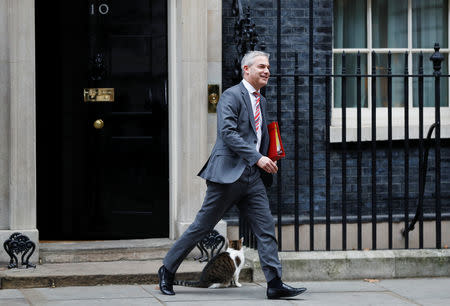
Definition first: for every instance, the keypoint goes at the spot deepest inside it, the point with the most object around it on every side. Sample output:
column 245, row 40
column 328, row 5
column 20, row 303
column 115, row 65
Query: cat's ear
column 242, row 240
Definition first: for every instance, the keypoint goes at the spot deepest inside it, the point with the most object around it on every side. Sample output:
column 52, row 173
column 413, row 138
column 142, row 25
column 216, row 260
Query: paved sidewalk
column 420, row 291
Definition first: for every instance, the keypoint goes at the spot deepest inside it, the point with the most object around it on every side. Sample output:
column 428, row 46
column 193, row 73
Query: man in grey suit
column 234, row 174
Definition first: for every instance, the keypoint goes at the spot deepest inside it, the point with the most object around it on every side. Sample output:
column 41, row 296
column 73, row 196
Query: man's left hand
column 267, row 165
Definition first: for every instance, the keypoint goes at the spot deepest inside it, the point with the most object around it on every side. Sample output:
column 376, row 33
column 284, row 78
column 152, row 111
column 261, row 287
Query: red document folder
column 276, row 150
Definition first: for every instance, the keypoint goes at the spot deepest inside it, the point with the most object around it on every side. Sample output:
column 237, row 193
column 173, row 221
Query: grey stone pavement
column 417, row 291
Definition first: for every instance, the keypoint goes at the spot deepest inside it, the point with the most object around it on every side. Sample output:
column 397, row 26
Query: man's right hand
column 267, row 165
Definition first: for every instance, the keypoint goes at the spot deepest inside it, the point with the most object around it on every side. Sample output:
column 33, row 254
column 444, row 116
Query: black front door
column 102, row 160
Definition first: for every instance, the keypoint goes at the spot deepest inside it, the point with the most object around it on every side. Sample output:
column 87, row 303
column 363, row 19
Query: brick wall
column 295, row 38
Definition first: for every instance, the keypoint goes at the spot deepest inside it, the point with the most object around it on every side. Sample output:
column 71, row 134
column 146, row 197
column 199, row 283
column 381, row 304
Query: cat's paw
column 238, row 284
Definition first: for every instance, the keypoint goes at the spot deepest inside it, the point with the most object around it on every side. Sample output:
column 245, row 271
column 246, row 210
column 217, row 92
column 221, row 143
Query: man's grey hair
column 249, row 58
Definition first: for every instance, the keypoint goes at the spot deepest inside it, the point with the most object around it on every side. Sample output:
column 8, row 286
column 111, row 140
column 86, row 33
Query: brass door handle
column 99, row 124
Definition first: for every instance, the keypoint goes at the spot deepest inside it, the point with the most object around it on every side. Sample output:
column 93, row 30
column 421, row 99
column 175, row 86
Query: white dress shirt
column 251, row 91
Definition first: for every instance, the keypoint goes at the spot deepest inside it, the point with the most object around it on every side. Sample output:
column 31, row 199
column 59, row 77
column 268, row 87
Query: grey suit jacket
column 236, row 137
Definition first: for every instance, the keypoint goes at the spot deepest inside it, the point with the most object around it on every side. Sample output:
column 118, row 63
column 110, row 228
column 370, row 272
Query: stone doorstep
column 99, row 273
column 110, row 250
column 85, row 263
column 339, row 265
column 297, row 266
column 98, row 251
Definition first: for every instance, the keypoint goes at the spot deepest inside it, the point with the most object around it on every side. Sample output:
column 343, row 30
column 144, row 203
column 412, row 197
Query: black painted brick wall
column 295, row 38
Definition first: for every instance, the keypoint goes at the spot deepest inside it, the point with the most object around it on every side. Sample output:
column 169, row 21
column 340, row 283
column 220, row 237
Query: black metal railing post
column 241, row 227
column 374, row 153
column 296, row 163
column 344, row 153
column 437, row 59
column 421, row 178
column 244, row 230
column 311, row 125
column 390, row 149
column 359, row 161
column 327, row 152
column 406, row 148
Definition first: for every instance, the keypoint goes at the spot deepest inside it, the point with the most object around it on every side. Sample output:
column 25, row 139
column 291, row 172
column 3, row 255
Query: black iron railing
column 345, row 76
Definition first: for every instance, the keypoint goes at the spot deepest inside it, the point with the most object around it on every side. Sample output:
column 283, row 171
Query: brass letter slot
column 98, row 95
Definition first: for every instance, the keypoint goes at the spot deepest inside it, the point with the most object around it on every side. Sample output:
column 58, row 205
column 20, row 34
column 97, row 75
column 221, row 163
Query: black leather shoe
column 284, row 291
column 166, row 281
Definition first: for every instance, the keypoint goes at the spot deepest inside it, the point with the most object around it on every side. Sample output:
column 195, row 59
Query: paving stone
column 351, row 298
column 338, row 286
column 12, row 297
column 11, row 294
column 248, row 291
column 105, row 302
column 232, row 302
column 13, row 302
column 426, row 291
column 95, row 292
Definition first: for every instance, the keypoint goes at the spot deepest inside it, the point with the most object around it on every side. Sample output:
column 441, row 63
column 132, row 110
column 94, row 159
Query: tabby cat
column 222, row 270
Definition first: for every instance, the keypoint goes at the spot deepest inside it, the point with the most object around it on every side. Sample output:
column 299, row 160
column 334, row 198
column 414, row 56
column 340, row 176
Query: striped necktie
column 257, row 110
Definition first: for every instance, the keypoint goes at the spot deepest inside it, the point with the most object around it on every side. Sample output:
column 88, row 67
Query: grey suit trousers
column 249, row 193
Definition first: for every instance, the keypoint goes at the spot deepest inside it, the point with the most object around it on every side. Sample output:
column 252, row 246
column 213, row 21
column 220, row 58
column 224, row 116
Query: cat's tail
column 188, row 283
